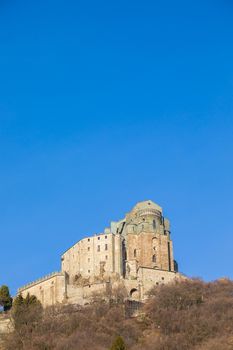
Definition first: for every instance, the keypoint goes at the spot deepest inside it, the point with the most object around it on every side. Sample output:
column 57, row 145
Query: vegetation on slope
column 5, row 298
column 189, row 315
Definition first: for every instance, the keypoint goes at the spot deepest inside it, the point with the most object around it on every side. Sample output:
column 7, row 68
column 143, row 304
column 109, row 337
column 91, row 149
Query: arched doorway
column 134, row 294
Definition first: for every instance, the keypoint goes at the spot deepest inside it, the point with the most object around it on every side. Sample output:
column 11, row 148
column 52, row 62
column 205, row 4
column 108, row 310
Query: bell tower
column 147, row 239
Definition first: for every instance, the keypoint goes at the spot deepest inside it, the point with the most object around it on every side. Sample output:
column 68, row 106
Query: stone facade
column 135, row 252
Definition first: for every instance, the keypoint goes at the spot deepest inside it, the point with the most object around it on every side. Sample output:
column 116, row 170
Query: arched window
column 154, row 258
column 154, row 224
column 135, row 253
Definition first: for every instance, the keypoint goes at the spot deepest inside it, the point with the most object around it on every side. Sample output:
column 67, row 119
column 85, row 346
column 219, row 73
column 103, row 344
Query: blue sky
column 103, row 104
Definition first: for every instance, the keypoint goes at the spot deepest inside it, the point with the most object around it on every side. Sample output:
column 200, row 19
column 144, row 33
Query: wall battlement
column 39, row 280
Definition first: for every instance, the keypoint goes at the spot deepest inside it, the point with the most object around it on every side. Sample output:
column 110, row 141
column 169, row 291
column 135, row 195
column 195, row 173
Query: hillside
column 189, row 315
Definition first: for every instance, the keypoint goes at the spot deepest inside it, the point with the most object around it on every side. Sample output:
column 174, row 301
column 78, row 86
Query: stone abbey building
column 135, row 253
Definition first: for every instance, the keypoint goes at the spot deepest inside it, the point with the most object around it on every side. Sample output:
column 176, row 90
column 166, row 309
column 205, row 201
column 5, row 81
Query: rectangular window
column 106, row 247
column 98, row 238
column 88, row 248
column 106, row 237
column 88, row 239
column 169, row 256
column 106, row 257
column 98, row 248
column 88, row 259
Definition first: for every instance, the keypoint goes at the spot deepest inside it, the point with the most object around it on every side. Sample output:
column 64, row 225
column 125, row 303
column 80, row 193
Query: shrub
column 118, row 344
column 5, row 298
column 190, row 315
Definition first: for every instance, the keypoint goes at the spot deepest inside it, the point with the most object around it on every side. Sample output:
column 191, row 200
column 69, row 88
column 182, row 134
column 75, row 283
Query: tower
column 147, row 239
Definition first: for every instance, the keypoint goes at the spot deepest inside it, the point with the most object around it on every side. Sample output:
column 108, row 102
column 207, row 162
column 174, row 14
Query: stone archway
column 134, row 294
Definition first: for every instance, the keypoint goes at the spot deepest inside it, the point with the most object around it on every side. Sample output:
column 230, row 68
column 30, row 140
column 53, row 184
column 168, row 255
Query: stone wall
column 48, row 290
column 149, row 278
column 91, row 257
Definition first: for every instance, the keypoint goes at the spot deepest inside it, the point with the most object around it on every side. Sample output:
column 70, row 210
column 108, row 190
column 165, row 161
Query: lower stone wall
column 149, row 278
column 49, row 291
column 82, row 295
column 54, row 289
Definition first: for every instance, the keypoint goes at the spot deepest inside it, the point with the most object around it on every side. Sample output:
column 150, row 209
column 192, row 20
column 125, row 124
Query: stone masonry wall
column 48, row 291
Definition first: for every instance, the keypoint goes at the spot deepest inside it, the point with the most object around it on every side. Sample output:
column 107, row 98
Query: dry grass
column 189, row 315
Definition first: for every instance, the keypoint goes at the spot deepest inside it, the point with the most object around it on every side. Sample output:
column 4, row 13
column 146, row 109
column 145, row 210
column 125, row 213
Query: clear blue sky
column 106, row 103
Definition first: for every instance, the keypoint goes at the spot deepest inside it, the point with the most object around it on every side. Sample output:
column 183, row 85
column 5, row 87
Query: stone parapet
column 39, row 280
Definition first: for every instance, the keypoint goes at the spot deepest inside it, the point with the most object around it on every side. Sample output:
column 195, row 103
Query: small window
column 163, row 278
column 154, row 258
column 106, row 237
column 88, row 239
column 98, row 248
column 88, row 248
column 106, row 247
column 154, row 224
column 135, row 253
column 89, row 271
column 106, row 257
column 88, row 259
column 98, row 238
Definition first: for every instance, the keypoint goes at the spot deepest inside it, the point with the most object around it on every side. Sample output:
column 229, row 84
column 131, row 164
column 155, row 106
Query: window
column 89, row 271
column 135, row 253
column 88, row 259
column 88, row 239
column 106, row 257
column 163, row 278
column 88, row 248
column 154, row 258
column 106, row 237
column 106, row 247
column 98, row 238
column 154, row 224
column 98, row 248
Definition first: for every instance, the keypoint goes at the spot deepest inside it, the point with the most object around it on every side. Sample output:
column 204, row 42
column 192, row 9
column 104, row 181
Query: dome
column 147, row 205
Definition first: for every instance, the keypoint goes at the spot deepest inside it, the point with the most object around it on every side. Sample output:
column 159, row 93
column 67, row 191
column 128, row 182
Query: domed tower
column 147, row 239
